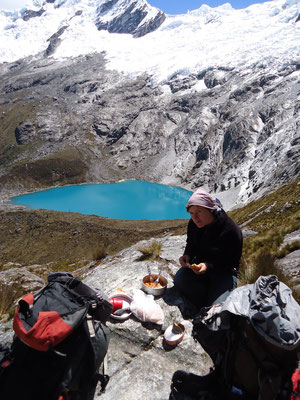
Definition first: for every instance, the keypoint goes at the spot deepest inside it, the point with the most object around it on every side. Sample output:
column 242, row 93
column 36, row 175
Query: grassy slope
column 28, row 237
column 272, row 217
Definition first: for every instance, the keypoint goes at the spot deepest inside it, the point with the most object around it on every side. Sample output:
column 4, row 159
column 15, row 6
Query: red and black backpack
column 296, row 385
column 60, row 342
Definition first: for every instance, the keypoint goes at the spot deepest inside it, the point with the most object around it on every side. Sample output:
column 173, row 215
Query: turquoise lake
column 122, row 200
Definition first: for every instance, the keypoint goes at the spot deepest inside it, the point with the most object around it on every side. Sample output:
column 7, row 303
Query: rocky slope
column 76, row 121
column 230, row 128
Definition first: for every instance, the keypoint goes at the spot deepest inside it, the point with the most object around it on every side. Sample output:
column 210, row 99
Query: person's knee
column 178, row 278
column 220, row 289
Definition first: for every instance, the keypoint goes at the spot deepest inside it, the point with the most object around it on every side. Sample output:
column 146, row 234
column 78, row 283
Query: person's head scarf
column 203, row 199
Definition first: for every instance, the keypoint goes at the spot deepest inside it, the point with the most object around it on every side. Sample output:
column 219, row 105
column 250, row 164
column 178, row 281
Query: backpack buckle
column 91, row 327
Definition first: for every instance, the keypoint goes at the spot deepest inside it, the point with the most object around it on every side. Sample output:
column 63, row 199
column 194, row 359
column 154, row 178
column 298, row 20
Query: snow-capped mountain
column 205, row 98
column 262, row 33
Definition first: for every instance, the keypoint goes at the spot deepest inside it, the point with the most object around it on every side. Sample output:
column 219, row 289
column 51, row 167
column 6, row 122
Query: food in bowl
column 154, row 284
column 151, row 287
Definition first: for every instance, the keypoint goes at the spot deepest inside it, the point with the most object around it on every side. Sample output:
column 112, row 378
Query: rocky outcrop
column 54, row 41
column 32, row 14
column 220, row 128
column 14, row 283
column 138, row 350
column 149, row 25
column 25, row 132
column 128, row 17
column 19, row 280
column 290, row 264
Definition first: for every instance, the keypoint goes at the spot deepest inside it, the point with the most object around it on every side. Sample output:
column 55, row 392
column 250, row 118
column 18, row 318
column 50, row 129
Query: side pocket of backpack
column 86, row 352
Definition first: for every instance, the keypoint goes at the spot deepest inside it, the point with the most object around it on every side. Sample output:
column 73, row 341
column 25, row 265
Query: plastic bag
column 145, row 309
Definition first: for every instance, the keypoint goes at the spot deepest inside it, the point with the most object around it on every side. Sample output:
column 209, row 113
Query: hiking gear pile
column 59, row 344
column 253, row 339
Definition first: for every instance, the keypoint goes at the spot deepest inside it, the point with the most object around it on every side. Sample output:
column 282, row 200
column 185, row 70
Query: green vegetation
column 272, row 217
column 7, row 298
column 151, row 251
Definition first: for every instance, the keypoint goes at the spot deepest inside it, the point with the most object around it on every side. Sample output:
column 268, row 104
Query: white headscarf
column 203, row 199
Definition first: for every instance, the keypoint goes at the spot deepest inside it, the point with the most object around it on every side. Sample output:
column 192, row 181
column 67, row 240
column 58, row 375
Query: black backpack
column 59, row 344
column 253, row 339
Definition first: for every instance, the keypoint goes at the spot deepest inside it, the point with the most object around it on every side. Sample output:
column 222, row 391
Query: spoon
column 156, row 282
column 150, row 275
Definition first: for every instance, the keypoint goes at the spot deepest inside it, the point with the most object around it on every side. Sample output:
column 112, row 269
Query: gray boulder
column 25, row 132
column 140, row 363
column 14, row 283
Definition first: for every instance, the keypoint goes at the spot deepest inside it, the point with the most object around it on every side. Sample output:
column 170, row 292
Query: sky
column 182, row 6
column 168, row 6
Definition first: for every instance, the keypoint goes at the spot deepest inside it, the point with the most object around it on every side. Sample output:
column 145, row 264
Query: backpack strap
column 103, row 378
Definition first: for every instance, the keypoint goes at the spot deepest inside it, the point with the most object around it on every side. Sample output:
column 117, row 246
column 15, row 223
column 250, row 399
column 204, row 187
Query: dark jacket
column 218, row 245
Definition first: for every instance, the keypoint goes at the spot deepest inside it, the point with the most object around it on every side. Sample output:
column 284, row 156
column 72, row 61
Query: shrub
column 99, row 254
column 263, row 264
column 150, row 252
column 288, row 248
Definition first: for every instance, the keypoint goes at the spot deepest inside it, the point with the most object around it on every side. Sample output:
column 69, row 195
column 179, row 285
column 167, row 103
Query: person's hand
column 184, row 260
column 199, row 269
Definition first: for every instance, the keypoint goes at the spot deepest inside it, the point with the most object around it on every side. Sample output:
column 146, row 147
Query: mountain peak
column 262, row 34
column 128, row 16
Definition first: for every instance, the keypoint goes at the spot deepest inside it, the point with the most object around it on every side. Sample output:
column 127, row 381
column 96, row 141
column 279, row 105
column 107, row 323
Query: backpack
column 296, row 385
column 59, row 344
column 253, row 339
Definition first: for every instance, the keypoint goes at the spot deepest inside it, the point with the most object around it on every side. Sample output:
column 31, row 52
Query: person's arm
column 190, row 247
column 225, row 252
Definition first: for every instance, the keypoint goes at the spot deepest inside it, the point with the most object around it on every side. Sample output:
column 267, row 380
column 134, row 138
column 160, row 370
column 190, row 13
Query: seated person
column 211, row 258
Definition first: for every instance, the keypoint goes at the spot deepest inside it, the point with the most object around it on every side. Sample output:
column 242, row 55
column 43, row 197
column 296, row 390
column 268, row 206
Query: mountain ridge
column 267, row 31
column 190, row 118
